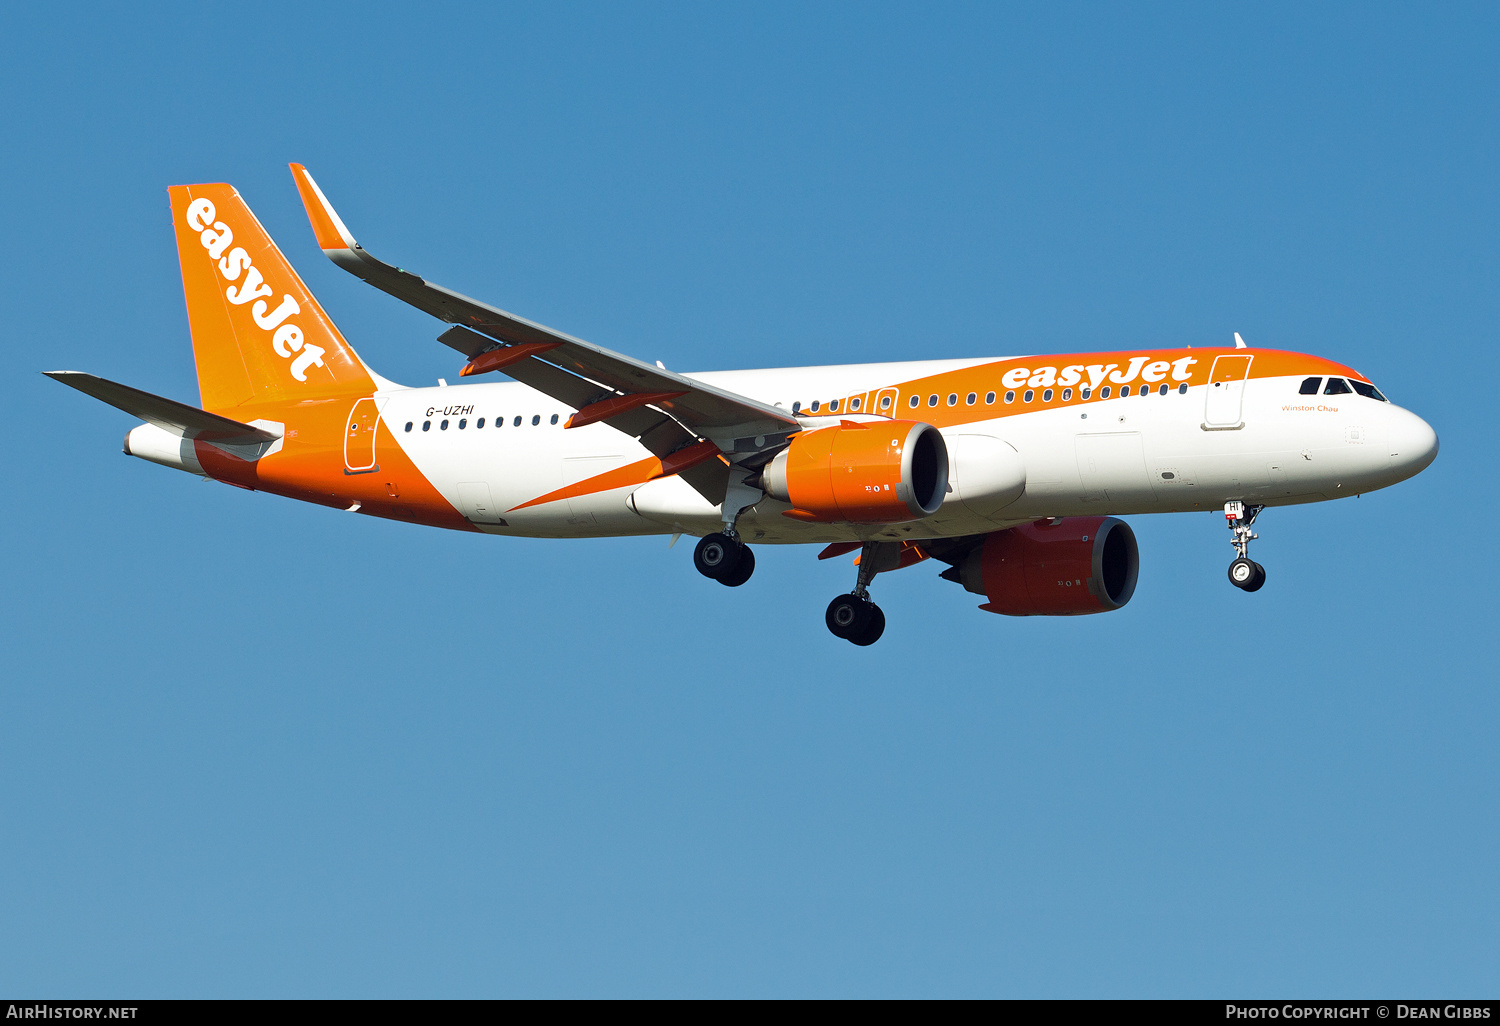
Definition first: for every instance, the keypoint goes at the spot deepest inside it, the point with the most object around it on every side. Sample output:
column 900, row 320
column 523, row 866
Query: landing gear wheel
column 848, row 615
column 743, row 569
column 718, row 556
column 874, row 628
column 1246, row 574
column 1260, row 579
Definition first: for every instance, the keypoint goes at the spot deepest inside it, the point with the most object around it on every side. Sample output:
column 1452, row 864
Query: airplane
column 1013, row 472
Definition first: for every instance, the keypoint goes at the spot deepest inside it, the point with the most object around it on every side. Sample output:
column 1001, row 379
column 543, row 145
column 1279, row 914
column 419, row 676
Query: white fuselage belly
column 1141, row 454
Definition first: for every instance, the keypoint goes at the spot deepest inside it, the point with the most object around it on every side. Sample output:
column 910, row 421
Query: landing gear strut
column 1244, row 572
column 854, row 617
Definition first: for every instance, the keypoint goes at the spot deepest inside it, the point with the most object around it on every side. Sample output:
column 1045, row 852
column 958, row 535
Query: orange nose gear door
column 1226, row 392
column 359, row 438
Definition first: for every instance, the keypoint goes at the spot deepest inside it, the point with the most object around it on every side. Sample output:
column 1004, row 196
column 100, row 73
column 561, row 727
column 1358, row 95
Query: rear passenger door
column 359, row 437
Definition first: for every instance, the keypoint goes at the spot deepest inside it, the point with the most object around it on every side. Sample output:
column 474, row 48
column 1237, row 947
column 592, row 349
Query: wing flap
column 660, row 434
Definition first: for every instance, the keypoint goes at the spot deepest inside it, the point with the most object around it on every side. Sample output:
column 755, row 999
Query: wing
column 666, row 411
column 168, row 414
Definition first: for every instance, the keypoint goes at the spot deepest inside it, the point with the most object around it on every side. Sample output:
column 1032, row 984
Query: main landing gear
column 854, row 617
column 724, row 558
column 1244, row 572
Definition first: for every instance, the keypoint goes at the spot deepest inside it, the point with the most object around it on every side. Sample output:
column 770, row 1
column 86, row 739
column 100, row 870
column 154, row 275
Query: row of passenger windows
column 464, row 423
column 833, row 405
column 989, row 397
column 1339, row 386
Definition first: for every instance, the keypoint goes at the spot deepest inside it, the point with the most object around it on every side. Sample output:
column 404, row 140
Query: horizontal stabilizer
column 168, row 414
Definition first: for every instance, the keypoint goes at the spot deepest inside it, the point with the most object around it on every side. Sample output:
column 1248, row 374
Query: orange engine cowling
column 1064, row 567
column 878, row 472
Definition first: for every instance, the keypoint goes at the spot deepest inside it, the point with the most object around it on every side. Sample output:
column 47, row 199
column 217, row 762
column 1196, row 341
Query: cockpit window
column 1367, row 390
column 1336, row 386
column 1310, row 386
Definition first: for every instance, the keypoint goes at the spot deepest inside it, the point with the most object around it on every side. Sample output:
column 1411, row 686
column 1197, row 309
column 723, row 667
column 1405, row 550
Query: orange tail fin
column 259, row 336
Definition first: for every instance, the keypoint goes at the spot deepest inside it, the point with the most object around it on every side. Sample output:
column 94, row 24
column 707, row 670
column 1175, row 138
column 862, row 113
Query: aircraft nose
column 1414, row 445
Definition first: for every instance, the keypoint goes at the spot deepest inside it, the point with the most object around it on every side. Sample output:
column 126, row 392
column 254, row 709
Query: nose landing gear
column 1244, row 572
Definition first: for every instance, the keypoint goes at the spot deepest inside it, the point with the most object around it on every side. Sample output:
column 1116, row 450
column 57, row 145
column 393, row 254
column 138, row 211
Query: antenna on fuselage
column 1239, row 343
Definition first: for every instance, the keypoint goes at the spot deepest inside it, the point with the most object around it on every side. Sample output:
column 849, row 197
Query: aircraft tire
column 847, row 616
column 873, row 629
column 743, row 568
column 1259, row 580
column 717, row 556
column 1246, row 574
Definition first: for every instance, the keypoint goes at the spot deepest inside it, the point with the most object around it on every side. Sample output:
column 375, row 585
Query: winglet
column 327, row 227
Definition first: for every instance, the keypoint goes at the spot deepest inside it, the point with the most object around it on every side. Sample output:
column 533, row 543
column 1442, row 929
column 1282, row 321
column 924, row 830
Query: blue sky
column 256, row 748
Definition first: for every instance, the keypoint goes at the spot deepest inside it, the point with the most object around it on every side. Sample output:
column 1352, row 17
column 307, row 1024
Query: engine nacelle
column 877, row 472
column 1064, row 567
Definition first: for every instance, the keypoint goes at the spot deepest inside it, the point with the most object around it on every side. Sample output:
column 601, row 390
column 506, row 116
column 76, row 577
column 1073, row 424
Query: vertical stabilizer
column 259, row 336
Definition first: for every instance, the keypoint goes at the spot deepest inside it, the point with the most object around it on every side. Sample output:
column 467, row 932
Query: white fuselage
column 1149, row 453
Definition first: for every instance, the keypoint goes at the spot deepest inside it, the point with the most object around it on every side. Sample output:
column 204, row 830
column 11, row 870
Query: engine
column 1064, row 567
column 880, row 472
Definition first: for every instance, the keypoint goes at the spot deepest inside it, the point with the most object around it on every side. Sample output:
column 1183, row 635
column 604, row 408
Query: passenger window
column 796, row 408
column 1104, row 392
column 518, row 422
column 536, row 419
column 1336, row 386
column 443, row 426
column 463, row 423
column 1310, row 386
column 854, row 404
column 833, row 407
column 815, row 405
column 1182, row 388
column 885, row 402
column 1367, row 390
column 1085, row 392
column 408, row 427
column 1047, row 396
column 1028, row 396
column 1164, row 389
column 1124, row 391
column 479, row 423
column 1067, row 394
column 554, row 418
column 932, row 400
column 1010, row 397
column 426, row 425
column 952, row 398
column 971, row 398
column 916, row 401
column 989, row 398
